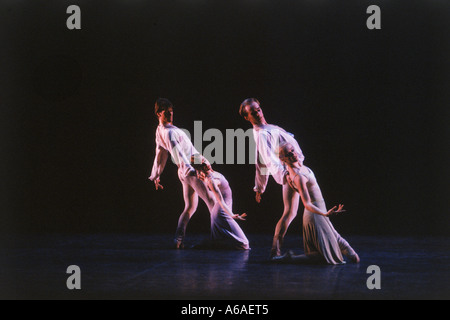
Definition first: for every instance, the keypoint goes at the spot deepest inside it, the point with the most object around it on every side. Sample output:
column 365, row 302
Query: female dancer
column 322, row 243
column 225, row 232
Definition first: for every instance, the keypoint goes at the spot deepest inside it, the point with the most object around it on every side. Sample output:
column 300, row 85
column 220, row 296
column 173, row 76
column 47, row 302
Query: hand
column 239, row 217
column 334, row 210
column 258, row 196
column 157, row 185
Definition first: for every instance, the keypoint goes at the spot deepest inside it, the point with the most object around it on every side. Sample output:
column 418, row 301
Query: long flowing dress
column 225, row 231
column 320, row 238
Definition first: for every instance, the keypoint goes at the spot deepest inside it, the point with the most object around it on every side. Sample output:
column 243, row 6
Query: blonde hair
column 282, row 148
column 200, row 163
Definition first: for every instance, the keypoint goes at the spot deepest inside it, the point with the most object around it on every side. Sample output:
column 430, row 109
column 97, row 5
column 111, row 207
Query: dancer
column 268, row 137
column 172, row 140
column 225, row 232
column 322, row 243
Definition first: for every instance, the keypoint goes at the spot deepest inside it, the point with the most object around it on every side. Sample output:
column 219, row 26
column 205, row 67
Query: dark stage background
column 368, row 107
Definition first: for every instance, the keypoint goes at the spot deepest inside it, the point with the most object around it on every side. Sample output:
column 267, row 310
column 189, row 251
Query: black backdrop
column 368, row 107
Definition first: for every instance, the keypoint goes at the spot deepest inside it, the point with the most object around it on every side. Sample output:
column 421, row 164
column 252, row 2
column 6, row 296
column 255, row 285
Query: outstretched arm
column 300, row 183
column 218, row 195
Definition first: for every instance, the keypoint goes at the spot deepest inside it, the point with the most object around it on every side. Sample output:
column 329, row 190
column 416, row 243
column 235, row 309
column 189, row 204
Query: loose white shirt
column 174, row 141
column 267, row 138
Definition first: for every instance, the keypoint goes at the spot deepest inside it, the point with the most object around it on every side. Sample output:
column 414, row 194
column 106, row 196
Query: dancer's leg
column 226, row 232
column 291, row 202
column 312, row 258
column 347, row 250
column 190, row 206
column 199, row 187
column 345, row 247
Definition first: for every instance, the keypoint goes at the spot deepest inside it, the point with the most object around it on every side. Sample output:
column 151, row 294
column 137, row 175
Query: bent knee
column 288, row 215
column 189, row 210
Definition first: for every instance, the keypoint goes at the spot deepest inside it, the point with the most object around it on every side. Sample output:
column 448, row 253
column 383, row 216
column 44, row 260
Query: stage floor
column 136, row 266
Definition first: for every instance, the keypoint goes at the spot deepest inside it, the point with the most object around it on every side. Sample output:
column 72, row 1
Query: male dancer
column 172, row 140
column 268, row 137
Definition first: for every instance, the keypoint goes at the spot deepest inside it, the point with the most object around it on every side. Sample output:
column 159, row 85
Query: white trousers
column 193, row 188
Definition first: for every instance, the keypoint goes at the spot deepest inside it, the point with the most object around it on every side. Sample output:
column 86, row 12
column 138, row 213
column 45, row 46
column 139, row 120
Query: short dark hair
column 245, row 103
column 162, row 104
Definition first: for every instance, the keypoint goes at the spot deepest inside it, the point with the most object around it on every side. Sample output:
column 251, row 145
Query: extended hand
column 258, row 196
column 334, row 210
column 239, row 217
column 157, row 185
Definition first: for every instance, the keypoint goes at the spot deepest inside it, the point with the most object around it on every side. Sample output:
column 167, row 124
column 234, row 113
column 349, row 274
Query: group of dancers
column 277, row 154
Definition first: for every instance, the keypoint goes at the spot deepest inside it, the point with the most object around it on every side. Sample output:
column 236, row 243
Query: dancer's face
column 166, row 116
column 288, row 155
column 254, row 114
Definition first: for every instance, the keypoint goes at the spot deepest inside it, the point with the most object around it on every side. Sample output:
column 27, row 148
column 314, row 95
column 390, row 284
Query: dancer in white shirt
column 172, row 140
column 268, row 137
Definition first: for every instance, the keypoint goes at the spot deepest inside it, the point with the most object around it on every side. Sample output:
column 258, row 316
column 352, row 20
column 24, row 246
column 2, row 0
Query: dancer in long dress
column 267, row 138
column 322, row 243
column 172, row 140
column 225, row 232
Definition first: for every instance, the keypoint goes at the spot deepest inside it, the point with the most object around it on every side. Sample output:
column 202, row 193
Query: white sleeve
column 160, row 161
column 267, row 147
column 261, row 175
